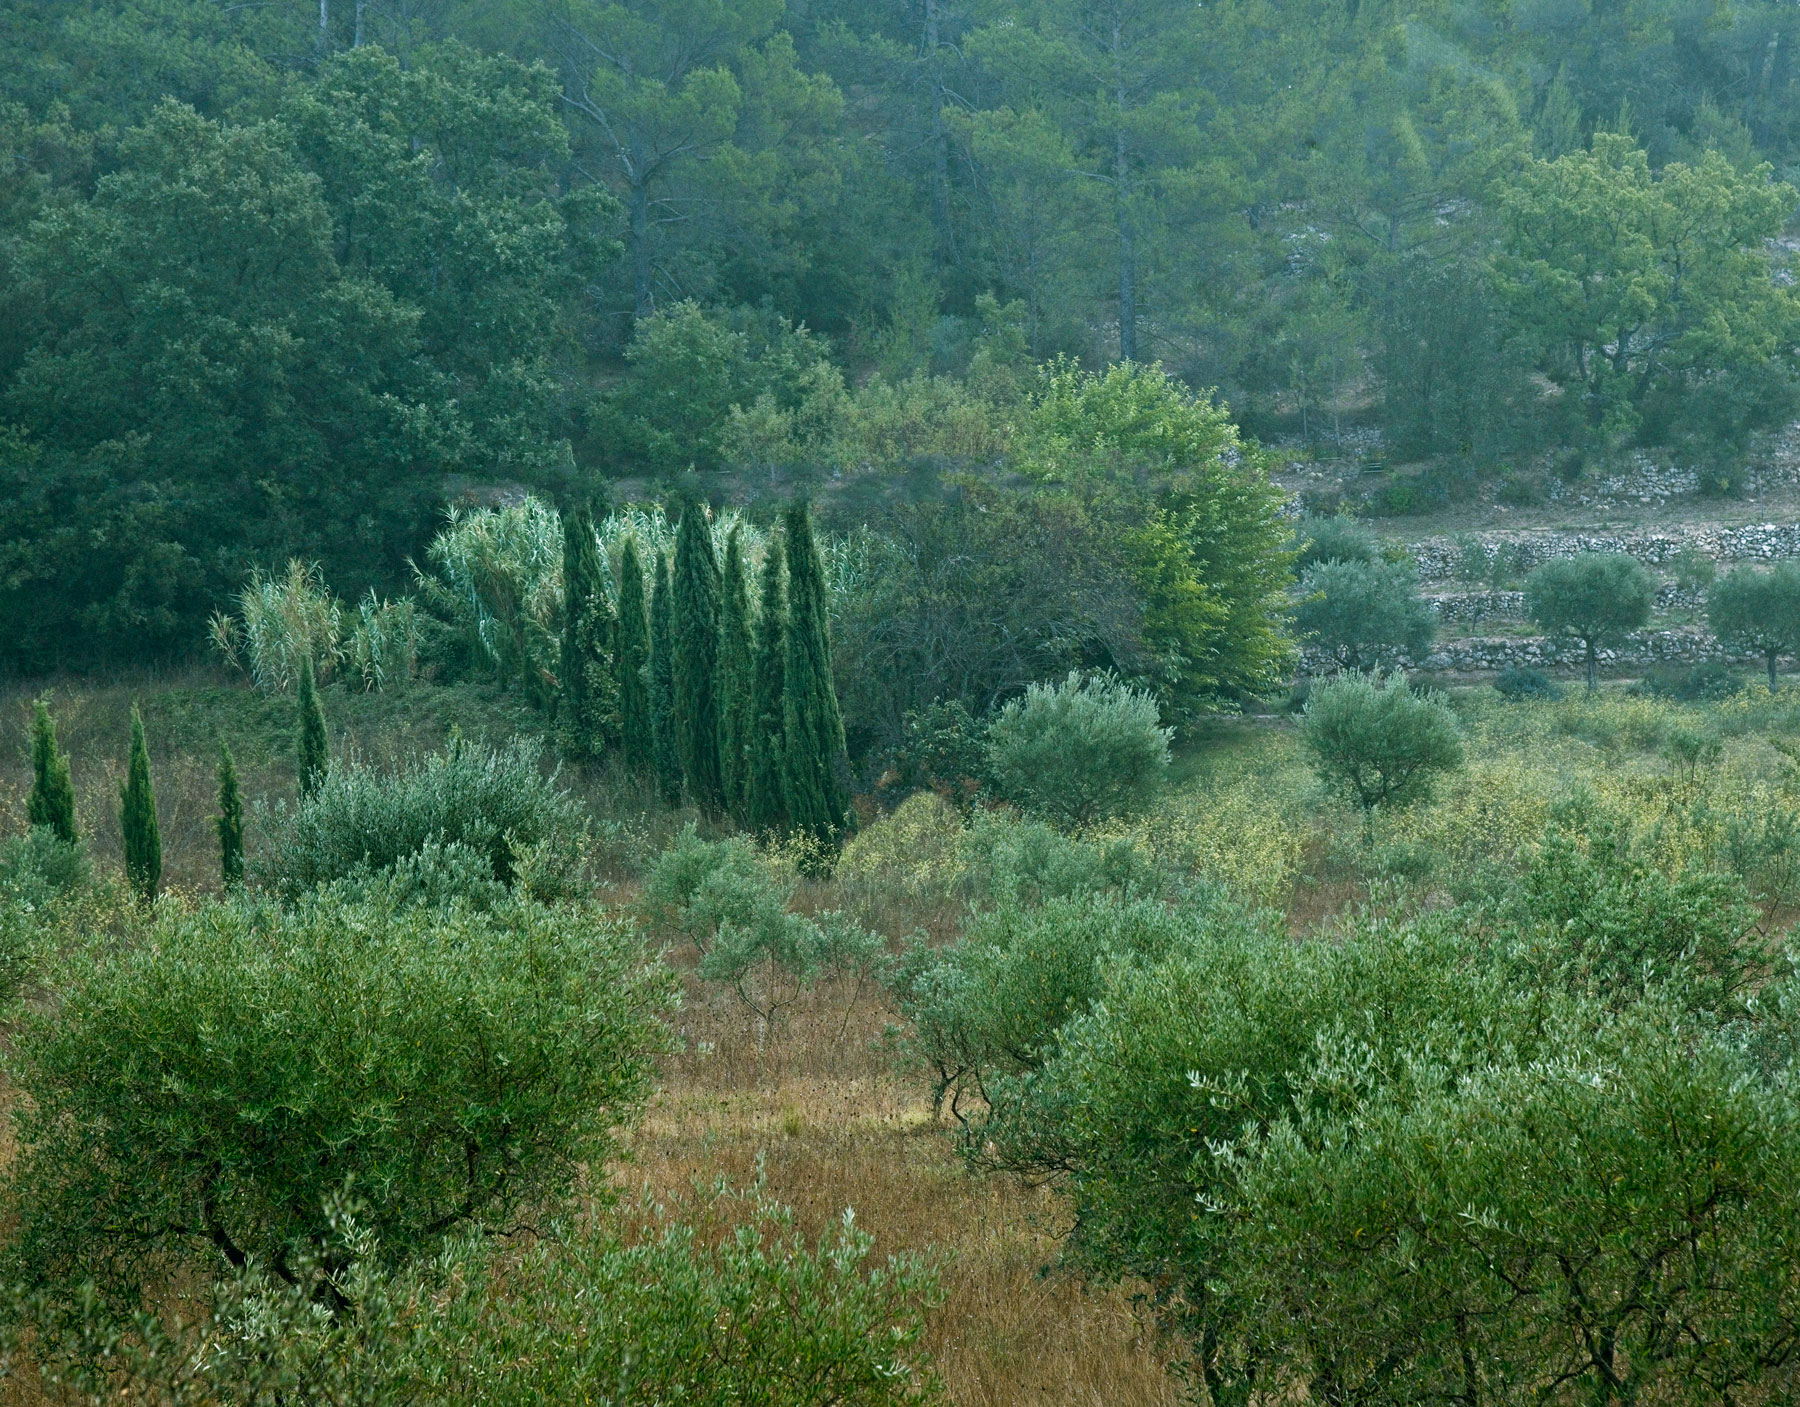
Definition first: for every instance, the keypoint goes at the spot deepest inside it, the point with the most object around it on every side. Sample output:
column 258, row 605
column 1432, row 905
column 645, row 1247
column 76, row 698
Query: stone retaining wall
column 1472, row 607
column 1490, row 654
column 1439, row 558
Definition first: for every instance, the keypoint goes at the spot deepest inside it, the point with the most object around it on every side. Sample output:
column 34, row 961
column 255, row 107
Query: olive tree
column 1595, row 597
column 1359, row 611
column 1079, row 751
column 1377, row 741
column 1758, row 612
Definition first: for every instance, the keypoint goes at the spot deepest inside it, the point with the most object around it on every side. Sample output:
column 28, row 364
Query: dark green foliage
column 665, row 747
column 219, row 1085
column 1519, row 682
column 737, row 680
column 1335, row 539
column 1359, row 612
column 765, row 798
column 312, row 744
column 362, row 821
column 1758, row 612
column 1596, row 597
column 1377, row 741
column 817, row 770
column 52, row 799
column 138, row 827
column 698, row 707
column 631, row 663
column 1078, row 752
column 229, row 823
column 588, row 708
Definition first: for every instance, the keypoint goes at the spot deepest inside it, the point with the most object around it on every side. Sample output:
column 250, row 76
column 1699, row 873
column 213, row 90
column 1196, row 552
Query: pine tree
column 588, row 707
column 736, row 679
column 765, row 808
column 313, row 746
column 696, row 657
column 52, row 800
column 664, row 752
column 817, row 770
column 137, row 817
column 631, row 663
column 230, row 820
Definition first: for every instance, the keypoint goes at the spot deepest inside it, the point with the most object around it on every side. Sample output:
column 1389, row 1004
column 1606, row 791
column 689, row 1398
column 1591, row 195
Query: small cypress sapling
column 631, row 662
column 137, row 817
column 664, row 753
column 230, row 820
column 313, row 744
column 696, row 657
column 817, row 773
column 588, row 713
column 765, row 801
column 52, row 800
column 736, row 679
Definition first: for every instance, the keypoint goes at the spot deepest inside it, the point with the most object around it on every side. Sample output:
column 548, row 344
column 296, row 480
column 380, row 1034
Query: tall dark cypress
column 765, row 802
column 52, row 799
column 665, row 756
column 631, row 663
column 230, row 820
column 696, row 621
column 817, row 772
column 312, row 746
column 587, row 713
column 736, row 679
column 137, row 817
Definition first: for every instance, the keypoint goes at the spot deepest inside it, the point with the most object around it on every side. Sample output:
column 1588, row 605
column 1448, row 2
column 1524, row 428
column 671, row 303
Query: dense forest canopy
column 288, row 278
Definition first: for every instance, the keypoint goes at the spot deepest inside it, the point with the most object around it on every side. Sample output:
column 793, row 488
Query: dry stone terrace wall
column 1487, row 654
column 1439, row 558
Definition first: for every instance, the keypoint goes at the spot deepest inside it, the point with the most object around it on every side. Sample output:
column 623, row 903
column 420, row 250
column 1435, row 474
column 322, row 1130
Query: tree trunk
column 1593, row 667
column 1122, row 204
column 1772, row 681
column 644, row 304
column 940, row 143
column 324, row 26
column 356, row 38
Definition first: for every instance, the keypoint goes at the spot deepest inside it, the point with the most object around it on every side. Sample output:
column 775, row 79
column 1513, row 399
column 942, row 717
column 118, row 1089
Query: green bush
column 715, row 1302
column 1080, row 751
column 1339, row 538
column 1516, row 682
column 733, row 906
column 990, row 1005
column 362, row 820
column 198, row 1097
column 1005, row 861
column 1378, row 742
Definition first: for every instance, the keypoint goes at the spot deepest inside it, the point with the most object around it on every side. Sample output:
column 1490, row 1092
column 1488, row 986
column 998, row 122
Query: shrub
column 990, row 1004
column 1708, row 681
column 1339, row 538
column 284, row 624
column 1006, row 861
column 715, row 1302
column 726, row 900
column 1360, row 612
column 1079, row 751
column 1377, row 741
column 1518, row 682
column 198, row 1098
column 362, row 820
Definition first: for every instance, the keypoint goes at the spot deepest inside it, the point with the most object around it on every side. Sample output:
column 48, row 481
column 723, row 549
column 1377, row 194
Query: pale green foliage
column 1595, row 597
column 1758, row 611
column 363, row 820
column 383, row 648
column 500, row 572
column 1377, row 741
column 283, row 623
column 1360, row 611
column 734, row 906
column 214, row 1086
column 715, row 1301
column 1079, row 751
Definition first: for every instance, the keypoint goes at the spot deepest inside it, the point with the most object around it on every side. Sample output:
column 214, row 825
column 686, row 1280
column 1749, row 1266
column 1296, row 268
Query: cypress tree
column 52, row 800
column 230, row 820
column 631, row 662
column 664, row 752
column 313, row 746
column 588, row 707
column 736, row 679
column 817, row 770
column 137, row 817
column 765, row 808
column 696, row 657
